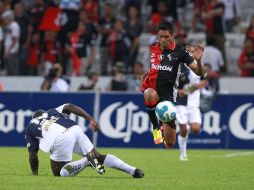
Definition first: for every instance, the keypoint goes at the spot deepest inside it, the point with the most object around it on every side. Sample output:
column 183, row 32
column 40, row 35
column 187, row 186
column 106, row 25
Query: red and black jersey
column 164, row 71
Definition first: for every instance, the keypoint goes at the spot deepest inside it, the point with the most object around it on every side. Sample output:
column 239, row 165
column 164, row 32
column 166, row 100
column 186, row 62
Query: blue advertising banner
column 230, row 123
column 235, row 114
column 124, row 121
column 16, row 110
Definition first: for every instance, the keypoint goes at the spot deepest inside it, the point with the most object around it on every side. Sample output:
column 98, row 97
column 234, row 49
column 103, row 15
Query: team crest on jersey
column 170, row 57
column 161, row 57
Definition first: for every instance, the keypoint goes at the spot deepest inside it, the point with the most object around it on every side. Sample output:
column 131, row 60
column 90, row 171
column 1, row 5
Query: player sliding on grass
column 53, row 132
column 161, row 80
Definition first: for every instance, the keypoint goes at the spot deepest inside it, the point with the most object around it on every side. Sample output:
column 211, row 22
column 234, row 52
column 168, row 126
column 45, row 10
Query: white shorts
column 72, row 140
column 186, row 115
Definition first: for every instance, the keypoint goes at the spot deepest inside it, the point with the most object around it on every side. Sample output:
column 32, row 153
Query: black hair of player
column 38, row 113
column 165, row 25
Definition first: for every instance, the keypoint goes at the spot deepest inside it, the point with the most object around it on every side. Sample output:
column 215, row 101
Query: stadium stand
column 233, row 45
column 32, row 84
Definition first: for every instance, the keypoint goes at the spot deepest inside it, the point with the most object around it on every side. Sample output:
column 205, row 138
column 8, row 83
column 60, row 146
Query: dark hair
column 38, row 113
column 165, row 25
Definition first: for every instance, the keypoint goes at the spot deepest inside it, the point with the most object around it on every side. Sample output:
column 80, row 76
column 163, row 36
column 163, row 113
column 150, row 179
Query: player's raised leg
column 151, row 99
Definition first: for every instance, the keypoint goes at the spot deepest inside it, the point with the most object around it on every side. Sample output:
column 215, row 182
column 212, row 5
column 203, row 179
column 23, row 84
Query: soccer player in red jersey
column 161, row 80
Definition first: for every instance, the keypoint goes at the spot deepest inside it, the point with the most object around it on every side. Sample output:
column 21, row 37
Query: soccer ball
column 165, row 111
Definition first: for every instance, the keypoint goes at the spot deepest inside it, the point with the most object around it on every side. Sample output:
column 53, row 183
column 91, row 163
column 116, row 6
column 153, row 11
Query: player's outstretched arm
column 34, row 161
column 197, row 53
column 71, row 108
column 142, row 78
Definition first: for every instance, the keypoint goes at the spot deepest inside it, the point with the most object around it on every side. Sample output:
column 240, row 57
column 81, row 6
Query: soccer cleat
column 157, row 136
column 95, row 163
column 138, row 173
column 183, row 158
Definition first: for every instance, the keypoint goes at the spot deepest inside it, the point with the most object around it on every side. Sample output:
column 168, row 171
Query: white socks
column 182, row 142
column 73, row 168
column 114, row 162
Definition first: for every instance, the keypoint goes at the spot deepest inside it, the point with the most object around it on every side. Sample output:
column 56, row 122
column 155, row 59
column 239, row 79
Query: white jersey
column 213, row 56
column 50, row 135
column 47, row 127
column 58, row 135
column 194, row 98
column 11, row 31
column 59, row 85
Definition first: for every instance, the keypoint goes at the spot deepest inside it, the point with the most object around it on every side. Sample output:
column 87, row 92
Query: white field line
column 239, row 154
column 235, row 154
column 229, row 155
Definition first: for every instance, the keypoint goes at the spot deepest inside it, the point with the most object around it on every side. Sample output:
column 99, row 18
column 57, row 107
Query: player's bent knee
column 183, row 130
column 151, row 97
column 195, row 128
column 57, row 167
column 196, row 131
column 64, row 173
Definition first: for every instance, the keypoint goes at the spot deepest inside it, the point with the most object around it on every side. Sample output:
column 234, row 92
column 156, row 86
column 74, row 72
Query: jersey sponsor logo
column 241, row 122
column 162, row 67
column 128, row 120
column 211, row 123
column 237, row 119
column 10, row 120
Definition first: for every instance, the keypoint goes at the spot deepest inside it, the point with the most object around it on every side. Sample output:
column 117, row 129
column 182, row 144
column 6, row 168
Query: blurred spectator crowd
column 102, row 37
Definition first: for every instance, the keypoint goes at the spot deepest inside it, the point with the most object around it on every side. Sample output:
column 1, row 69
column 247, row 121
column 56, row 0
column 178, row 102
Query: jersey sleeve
column 60, row 108
column 31, row 141
column 187, row 58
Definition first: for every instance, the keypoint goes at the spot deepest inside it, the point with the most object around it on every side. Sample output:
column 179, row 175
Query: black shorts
column 165, row 91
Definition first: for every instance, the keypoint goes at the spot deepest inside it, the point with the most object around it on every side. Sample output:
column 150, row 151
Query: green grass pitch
column 205, row 170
